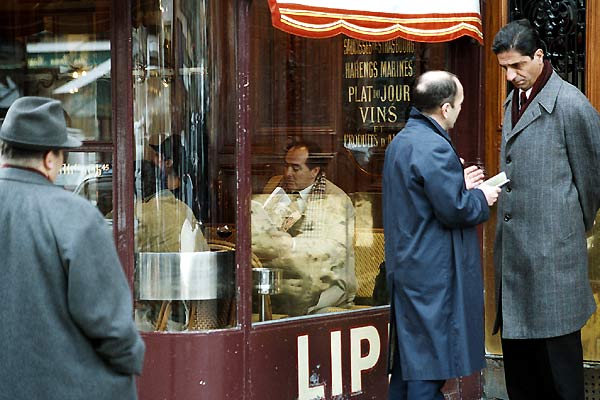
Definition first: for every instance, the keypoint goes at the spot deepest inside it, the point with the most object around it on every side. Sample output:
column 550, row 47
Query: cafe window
column 62, row 50
column 89, row 174
column 323, row 112
column 184, row 110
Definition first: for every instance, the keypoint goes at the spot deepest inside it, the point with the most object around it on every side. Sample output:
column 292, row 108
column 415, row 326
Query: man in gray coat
column 550, row 151
column 66, row 308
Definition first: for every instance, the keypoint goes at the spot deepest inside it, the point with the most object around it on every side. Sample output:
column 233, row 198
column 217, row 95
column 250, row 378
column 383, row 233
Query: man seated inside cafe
column 174, row 167
column 312, row 242
column 164, row 225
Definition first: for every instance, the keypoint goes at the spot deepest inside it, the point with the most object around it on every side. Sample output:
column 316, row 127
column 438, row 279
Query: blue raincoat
column 432, row 254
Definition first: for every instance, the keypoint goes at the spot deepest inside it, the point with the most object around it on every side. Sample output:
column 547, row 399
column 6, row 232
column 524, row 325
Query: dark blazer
column 552, row 158
column 67, row 328
column 432, row 254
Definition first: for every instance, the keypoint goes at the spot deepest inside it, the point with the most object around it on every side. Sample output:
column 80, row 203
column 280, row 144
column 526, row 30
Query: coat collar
column 419, row 116
column 546, row 99
column 23, row 175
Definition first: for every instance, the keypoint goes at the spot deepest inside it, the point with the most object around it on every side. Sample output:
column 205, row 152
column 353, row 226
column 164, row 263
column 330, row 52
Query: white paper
column 188, row 237
column 498, row 180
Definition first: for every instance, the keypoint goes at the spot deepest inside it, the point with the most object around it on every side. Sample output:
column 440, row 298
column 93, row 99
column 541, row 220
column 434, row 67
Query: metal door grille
column 592, row 384
column 561, row 25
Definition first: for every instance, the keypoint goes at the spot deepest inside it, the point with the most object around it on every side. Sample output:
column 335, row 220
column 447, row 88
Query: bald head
column 439, row 94
column 434, row 88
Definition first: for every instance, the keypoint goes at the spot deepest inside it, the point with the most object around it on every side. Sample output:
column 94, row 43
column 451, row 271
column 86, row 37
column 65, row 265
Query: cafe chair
column 369, row 253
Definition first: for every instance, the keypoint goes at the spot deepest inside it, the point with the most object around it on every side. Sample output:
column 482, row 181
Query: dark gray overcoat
column 67, row 331
column 432, row 254
column 552, row 157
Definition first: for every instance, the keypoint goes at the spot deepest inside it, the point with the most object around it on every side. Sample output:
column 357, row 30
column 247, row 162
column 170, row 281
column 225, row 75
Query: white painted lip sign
column 309, row 386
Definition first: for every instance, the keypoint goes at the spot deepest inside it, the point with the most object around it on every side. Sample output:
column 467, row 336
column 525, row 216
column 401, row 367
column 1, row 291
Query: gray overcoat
column 67, row 330
column 552, row 158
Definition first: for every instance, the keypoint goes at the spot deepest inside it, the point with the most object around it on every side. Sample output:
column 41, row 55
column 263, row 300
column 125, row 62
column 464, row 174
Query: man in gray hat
column 67, row 321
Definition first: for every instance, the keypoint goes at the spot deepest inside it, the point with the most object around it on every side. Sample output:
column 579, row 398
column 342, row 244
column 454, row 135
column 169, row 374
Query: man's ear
column 50, row 164
column 445, row 108
column 49, row 160
column 315, row 171
column 539, row 54
column 168, row 163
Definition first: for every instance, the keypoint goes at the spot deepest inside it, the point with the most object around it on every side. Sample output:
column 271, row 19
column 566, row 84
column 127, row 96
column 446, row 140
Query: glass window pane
column 53, row 50
column 324, row 111
column 185, row 194
column 590, row 333
column 90, row 176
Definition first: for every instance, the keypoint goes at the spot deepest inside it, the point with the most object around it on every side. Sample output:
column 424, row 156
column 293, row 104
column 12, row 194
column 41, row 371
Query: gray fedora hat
column 37, row 123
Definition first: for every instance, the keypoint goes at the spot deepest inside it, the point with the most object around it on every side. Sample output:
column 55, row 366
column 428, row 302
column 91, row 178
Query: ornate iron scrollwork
column 561, row 25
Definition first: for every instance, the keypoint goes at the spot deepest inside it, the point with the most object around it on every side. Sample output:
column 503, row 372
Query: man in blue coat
column 67, row 327
column 431, row 209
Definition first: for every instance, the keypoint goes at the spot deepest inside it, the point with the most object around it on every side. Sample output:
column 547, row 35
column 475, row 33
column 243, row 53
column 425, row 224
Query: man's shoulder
column 335, row 193
column 70, row 205
column 68, row 197
column 332, row 188
column 418, row 123
column 52, row 205
column 48, row 193
column 416, row 142
column 418, row 130
column 570, row 91
column 562, row 90
column 420, row 143
column 568, row 98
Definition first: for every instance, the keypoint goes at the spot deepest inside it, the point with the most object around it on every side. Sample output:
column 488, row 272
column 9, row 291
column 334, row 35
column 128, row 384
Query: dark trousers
column 412, row 390
column 545, row 369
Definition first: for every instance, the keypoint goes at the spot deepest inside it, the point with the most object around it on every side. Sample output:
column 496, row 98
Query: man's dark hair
column 149, row 179
column 429, row 94
column 315, row 156
column 172, row 148
column 519, row 36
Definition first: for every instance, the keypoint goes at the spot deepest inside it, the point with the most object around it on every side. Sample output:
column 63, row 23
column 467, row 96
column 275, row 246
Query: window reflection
column 64, row 53
column 350, row 97
column 590, row 333
column 60, row 53
column 185, row 227
column 165, row 224
column 305, row 227
column 89, row 175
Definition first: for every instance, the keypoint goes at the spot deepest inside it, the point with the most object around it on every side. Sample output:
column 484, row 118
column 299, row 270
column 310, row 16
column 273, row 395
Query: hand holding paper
column 491, row 188
column 473, row 176
column 498, row 180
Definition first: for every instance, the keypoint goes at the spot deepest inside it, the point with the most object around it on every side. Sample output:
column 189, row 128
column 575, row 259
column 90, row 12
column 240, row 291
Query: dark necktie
column 523, row 101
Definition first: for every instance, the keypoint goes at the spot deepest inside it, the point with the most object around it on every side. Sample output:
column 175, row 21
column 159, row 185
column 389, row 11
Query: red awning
column 379, row 20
